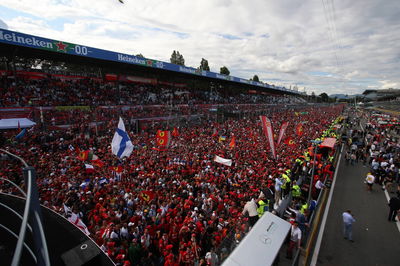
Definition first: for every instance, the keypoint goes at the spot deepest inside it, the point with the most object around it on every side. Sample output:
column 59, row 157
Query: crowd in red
column 53, row 91
column 192, row 202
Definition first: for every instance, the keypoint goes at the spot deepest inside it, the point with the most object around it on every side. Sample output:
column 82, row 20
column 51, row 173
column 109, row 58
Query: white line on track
column 328, row 204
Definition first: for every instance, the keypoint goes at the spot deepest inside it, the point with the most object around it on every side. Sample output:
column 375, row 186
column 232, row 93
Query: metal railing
column 307, row 239
column 32, row 213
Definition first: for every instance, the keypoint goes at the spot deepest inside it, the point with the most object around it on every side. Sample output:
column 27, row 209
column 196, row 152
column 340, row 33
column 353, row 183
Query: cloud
column 386, row 84
column 3, row 25
column 356, row 42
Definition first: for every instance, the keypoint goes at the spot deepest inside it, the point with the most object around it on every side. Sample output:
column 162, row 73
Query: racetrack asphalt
column 376, row 240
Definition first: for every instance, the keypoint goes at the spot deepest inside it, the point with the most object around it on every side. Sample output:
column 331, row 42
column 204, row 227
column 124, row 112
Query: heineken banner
column 21, row 39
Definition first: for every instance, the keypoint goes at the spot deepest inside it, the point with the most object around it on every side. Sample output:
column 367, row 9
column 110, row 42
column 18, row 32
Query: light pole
column 315, row 143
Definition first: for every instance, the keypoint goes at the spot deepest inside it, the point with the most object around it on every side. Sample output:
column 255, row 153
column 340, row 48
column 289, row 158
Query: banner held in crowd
column 163, row 138
column 269, row 133
column 175, row 132
column 227, row 162
column 299, row 130
column 290, row 142
column 282, row 132
column 232, row 144
column 147, row 195
column 121, row 144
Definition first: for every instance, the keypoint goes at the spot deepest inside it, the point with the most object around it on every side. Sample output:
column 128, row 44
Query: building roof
column 383, row 92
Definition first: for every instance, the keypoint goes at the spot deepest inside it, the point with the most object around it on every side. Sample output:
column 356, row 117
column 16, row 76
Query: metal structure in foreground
column 32, row 213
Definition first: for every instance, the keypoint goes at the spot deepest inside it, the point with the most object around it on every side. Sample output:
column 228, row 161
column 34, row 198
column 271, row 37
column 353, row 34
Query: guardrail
column 315, row 218
column 32, row 213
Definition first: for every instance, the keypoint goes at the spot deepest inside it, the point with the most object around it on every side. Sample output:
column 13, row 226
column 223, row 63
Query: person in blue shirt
column 348, row 220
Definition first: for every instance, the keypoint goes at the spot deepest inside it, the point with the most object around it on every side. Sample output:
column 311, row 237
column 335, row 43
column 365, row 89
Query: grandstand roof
column 384, row 91
column 381, row 94
column 15, row 43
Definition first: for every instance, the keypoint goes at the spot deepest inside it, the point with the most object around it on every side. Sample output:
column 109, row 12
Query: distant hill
column 339, row 96
column 344, row 96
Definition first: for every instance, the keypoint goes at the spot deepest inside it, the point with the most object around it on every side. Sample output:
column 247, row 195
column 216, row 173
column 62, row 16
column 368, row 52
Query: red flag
column 175, row 132
column 97, row 163
column 159, row 149
column 311, row 150
column 147, row 195
column 118, row 169
column 83, row 155
column 299, row 130
column 163, row 138
column 268, row 131
column 290, row 142
column 282, row 132
column 232, row 144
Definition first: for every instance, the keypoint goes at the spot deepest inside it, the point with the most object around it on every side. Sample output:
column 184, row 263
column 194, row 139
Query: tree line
column 177, row 58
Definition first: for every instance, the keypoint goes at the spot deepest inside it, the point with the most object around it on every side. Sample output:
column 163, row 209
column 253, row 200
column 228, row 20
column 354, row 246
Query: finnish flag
column 121, row 144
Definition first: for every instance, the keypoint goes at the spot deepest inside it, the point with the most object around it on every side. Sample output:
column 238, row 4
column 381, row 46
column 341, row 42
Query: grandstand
column 159, row 206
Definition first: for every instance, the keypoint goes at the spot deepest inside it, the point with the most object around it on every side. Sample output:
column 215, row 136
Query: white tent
column 12, row 123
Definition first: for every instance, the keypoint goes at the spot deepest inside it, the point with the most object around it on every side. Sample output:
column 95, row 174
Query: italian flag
column 87, row 155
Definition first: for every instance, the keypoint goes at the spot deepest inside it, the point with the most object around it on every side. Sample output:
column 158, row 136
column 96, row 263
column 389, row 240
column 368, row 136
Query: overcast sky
column 329, row 46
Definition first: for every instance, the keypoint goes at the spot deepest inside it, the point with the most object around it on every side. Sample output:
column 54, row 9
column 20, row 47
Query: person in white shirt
column 211, row 257
column 374, row 165
column 348, row 220
column 319, row 186
column 373, row 147
column 353, row 147
column 251, row 208
column 295, row 239
column 370, row 179
column 124, row 231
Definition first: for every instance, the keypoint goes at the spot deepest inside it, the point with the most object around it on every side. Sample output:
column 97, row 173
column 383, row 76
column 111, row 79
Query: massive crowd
column 165, row 207
column 376, row 146
column 54, row 91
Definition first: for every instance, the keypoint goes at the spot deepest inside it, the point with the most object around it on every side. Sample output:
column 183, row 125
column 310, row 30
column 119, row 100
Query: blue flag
column 21, row 134
column 121, row 144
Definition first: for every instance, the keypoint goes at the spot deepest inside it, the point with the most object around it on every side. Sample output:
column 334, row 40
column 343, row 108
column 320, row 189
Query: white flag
column 74, row 219
column 121, row 144
column 227, row 162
